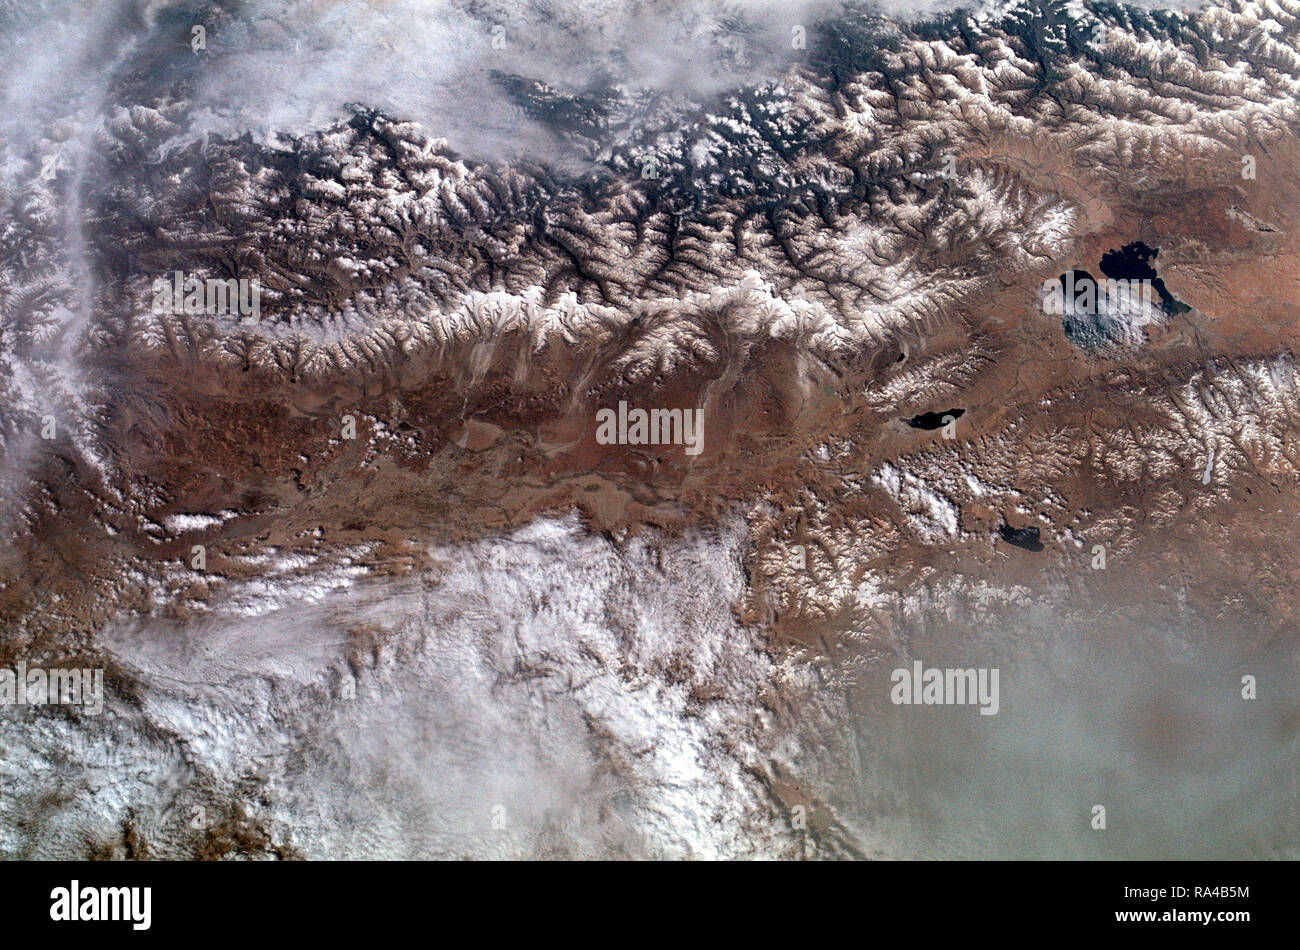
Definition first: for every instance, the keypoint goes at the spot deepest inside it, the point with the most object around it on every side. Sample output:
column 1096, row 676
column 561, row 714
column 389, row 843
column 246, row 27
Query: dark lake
column 1134, row 262
column 1026, row 538
column 933, row 420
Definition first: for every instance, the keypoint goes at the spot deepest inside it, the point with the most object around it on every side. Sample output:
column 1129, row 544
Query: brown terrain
column 1179, row 454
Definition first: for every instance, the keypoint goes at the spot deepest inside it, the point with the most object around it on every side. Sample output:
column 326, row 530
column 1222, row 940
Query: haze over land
column 434, row 615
